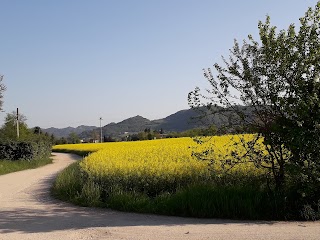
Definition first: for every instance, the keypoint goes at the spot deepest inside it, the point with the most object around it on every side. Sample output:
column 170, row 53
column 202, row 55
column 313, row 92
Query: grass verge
column 7, row 166
column 203, row 200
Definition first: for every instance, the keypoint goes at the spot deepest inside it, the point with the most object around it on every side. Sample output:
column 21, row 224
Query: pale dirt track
column 28, row 212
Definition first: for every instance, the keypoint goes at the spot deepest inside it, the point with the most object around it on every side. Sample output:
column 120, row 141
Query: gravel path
column 28, row 212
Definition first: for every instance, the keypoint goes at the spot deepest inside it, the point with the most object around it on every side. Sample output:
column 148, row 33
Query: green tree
column 73, row 138
column 9, row 129
column 37, row 130
column 277, row 79
column 52, row 138
column 95, row 135
column 61, row 140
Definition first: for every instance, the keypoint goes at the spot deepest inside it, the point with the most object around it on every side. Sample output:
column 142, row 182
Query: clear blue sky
column 69, row 62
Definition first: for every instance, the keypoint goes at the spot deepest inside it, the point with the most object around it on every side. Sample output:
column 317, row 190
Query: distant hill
column 64, row 132
column 178, row 122
column 132, row 125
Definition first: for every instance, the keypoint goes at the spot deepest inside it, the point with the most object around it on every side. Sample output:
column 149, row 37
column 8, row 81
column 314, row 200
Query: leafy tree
column 62, row 140
column 150, row 136
column 52, row 138
column 9, row 129
column 147, row 130
column 142, row 135
column 37, row 130
column 95, row 135
column 277, row 79
column 108, row 139
column 2, row 89
column 73, row 138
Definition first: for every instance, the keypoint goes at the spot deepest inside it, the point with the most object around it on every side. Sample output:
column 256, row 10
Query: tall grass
column 202, row 200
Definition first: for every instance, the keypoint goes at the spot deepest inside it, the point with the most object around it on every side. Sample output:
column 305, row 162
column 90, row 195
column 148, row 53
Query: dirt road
column 28, row 212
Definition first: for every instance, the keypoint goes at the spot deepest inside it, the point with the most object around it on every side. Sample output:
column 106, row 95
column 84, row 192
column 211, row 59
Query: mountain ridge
column 177, row 122
column 64, row 132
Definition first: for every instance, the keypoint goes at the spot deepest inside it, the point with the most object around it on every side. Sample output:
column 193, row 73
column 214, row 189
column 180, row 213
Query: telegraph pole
column 17, row 123
column 100, row 130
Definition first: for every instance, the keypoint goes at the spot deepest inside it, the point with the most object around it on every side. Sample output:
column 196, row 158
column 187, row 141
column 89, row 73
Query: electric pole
column 17, row 123
column 100, row 130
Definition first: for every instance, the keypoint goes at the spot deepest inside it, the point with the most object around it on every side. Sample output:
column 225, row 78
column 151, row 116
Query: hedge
column 24, row 150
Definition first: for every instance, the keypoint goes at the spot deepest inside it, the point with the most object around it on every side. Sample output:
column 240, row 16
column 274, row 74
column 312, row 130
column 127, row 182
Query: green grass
column 7, row 166
column 68, row 184
column 203, row 200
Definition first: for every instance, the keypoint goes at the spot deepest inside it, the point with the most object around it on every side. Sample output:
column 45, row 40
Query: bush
column 24, row 150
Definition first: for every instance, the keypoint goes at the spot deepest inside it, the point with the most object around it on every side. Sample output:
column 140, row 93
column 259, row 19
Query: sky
column 70, row 62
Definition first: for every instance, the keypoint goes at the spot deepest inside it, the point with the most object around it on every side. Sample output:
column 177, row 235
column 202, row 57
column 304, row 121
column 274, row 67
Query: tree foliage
column 9, row 129
column 73, row 138
column 277, row 78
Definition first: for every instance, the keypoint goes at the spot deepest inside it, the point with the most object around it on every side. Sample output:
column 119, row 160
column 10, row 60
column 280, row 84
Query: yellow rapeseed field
column 86, row 147
column 156, row 165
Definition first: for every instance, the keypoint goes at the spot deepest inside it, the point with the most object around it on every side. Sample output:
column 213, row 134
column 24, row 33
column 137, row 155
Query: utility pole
column 100, row 130
column 17, row 123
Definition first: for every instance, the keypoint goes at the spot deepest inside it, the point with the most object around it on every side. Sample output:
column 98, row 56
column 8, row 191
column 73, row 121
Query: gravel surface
column 28, row 212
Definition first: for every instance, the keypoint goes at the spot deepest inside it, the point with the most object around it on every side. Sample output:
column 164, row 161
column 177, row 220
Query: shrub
column 24, row 150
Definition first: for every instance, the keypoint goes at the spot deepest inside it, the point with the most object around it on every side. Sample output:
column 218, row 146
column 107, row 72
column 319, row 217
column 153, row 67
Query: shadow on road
column 64, row 218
